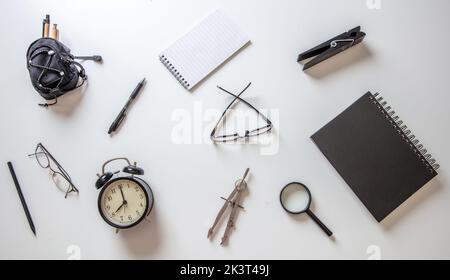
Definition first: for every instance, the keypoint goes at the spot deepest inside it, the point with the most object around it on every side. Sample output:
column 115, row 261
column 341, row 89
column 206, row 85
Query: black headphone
column 106, row 176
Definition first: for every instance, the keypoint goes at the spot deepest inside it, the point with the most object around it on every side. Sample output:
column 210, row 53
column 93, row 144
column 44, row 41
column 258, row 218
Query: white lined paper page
column 208, row 45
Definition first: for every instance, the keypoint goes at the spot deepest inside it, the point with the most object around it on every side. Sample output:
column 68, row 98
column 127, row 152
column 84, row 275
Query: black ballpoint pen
column 22, row 199
column 123, row 113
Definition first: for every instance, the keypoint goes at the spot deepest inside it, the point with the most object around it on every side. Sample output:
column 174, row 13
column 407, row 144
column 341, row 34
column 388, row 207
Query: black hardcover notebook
column 375, row 153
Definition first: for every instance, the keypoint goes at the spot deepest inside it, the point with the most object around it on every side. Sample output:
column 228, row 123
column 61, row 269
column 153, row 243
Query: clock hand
column 123, row 197
column 120, row 207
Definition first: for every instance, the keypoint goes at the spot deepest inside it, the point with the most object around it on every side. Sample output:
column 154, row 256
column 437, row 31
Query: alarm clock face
column 124, row 202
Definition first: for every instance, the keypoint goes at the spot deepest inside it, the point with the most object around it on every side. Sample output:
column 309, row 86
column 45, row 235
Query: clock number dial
column 123, row 202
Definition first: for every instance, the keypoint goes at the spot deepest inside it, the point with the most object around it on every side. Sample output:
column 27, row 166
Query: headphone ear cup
column 133, row 170
column 103, row 180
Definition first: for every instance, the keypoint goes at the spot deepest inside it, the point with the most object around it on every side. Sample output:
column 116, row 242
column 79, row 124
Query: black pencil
column 22, row 199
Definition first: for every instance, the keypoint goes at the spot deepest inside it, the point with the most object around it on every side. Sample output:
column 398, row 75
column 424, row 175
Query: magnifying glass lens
column 295, row 198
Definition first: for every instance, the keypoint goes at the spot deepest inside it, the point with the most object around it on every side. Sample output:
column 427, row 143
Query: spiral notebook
column 376, row 154
column 198, row 53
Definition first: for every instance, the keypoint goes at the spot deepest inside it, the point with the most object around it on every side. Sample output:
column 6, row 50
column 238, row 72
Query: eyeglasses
column 60, row 177
column 249, row 133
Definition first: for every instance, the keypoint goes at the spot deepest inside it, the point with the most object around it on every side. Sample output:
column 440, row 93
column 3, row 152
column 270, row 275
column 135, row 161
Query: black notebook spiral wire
column 405, row 133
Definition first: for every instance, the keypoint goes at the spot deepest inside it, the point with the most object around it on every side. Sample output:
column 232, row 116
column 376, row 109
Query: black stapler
column 332, row 47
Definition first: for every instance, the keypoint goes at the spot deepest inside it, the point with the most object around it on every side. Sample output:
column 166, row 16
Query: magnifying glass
column 295, row 198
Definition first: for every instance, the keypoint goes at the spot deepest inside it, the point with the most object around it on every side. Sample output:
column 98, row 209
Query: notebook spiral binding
column 174, row 71
column 405, row 133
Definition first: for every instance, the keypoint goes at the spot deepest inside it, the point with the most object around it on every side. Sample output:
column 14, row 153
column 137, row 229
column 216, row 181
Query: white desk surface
column 404, row 56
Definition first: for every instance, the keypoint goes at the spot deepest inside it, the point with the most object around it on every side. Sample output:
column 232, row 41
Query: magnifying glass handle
column 319, row 222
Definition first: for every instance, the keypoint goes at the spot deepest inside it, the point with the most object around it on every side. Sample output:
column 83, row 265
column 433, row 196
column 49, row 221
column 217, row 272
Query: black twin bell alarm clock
column 125, row 199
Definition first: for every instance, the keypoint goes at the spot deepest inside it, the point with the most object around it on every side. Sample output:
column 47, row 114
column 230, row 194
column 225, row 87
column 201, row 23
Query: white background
column 405, row 56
